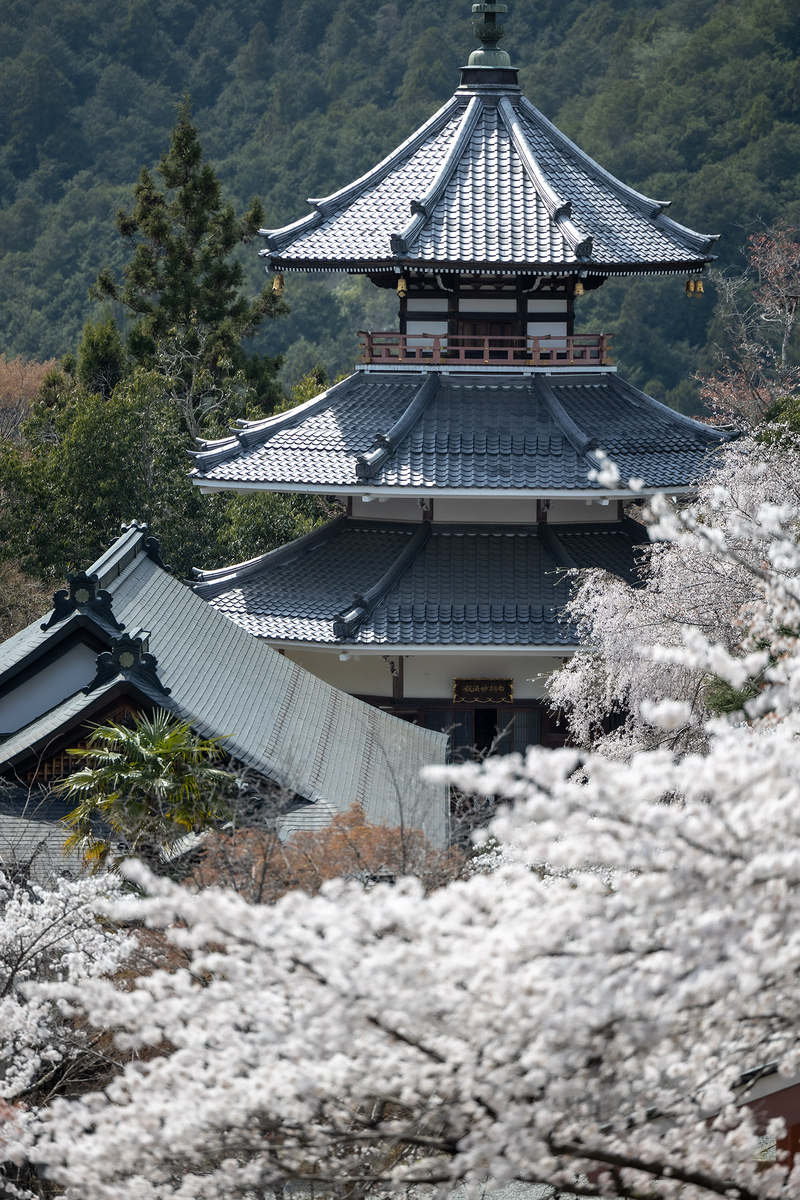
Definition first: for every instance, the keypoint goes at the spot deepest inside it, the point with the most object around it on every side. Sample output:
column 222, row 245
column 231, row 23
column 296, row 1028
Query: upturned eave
column 353, row 266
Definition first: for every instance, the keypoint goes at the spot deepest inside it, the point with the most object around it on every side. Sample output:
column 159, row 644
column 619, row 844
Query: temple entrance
column 472, row 337
column 473, row 730
column 485, row 728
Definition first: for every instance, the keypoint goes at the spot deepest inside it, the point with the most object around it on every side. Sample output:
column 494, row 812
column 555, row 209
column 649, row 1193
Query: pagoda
column 465, row 446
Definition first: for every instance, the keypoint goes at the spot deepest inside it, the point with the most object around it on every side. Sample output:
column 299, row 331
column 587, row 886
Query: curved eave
column 434, row 585
column 422, row 492
column 462, row 266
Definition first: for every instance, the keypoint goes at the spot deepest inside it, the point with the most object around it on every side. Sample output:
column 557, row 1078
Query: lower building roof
column 397, row 430
column 322, row 744
column 371, row 582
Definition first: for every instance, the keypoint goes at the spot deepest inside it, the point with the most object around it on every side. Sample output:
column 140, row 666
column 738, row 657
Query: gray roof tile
column 510, row 176
column 468, row 584
column 275, row 715
column 487, row 432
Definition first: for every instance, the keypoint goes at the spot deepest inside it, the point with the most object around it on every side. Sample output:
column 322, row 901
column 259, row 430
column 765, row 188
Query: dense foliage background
column 697, row 101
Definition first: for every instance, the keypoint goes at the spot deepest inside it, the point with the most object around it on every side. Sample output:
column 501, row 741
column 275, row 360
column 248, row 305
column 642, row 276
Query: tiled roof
column 465, row 585
column 32, row 838
column 481, row 432
column 277, row 719
column 487, row 181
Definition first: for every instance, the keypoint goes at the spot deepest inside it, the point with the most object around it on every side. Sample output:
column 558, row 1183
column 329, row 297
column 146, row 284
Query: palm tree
column 143, row 788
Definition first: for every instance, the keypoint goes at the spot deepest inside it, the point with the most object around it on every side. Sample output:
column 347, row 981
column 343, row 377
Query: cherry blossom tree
column 682, row 586
column 589, row 1016
column 758, row 310
column 51, row 934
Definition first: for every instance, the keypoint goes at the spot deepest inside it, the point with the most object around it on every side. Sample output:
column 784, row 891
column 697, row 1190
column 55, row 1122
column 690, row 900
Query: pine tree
column 182, row 285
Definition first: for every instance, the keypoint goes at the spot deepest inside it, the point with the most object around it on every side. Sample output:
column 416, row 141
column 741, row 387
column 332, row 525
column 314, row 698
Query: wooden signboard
column 483, row 691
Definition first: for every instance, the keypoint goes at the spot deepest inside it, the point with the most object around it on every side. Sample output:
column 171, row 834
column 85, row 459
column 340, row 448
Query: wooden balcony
column 552, row 350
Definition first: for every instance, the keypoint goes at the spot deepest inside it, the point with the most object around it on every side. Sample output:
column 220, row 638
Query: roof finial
column 488, row 33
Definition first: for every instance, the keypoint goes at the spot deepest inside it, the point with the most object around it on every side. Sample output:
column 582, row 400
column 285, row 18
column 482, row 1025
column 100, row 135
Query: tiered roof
column 421, row 584
column 440, row 432
column 488, row 183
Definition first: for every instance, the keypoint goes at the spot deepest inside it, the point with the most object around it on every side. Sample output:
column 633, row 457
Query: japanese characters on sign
column 483, row 691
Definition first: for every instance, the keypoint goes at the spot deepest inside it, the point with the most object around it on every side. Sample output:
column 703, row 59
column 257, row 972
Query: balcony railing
column 551, row 350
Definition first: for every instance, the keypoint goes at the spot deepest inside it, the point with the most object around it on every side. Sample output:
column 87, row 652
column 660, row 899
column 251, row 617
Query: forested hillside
column 697, row 101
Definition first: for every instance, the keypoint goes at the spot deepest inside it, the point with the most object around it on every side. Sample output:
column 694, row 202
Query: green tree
column 142, row 789
column 101, row 356
column 182, row 285
column 85, row 464
column 89, row 463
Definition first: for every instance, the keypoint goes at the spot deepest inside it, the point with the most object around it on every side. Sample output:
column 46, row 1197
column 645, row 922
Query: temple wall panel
column 394, row 508
column 365, row 674
column 431, row 676
column 573, row 511
column 427, row 675
column 47, row 688
column 511, row 511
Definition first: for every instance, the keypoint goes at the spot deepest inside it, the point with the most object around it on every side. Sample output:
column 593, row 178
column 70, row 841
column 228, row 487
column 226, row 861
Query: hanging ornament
column 402, row 287
column 278, row 284
column 698, row 288
column 689, row 287
column 579, row 288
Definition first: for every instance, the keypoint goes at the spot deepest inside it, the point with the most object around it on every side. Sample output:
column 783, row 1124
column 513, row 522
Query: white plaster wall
column 427, row 304
column 400, row 508
column 429, row 676
column 547, row 305
column 511, row 511
column 366, row 674
column 488, row 306
column 41, row 692
column 543, row 328
column 579, row 510
column 480, row 510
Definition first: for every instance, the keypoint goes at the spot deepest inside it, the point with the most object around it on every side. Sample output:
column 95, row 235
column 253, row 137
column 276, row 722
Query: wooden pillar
column 790, row 1145
column 397, row 680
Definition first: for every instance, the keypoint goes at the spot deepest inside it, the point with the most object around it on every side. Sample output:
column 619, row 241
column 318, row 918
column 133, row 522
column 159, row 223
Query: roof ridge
column 559, row 209
column 549, row 540
column 422, row 210
column 208, row 582
column 709, row 432
column 649, row 207
column 113, row 561
column 369, row 463
column 579, row 440
column 326, row 206
column 347, row 624
column 256, row 433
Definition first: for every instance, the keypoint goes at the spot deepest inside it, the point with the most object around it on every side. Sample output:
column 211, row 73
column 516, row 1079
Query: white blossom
column 587, row 1016
column 696, row 611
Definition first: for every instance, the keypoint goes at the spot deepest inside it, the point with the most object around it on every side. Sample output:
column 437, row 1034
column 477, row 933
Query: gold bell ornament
column 278, row 284
column 689, row 287
column 578, row 288
column 698, row 288
column 402, row 287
